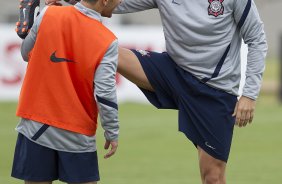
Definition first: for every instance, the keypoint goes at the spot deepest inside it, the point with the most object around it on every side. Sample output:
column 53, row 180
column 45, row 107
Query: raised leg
column 130, row 67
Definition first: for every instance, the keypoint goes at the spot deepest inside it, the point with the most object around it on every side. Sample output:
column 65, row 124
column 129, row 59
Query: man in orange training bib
column 70, row 78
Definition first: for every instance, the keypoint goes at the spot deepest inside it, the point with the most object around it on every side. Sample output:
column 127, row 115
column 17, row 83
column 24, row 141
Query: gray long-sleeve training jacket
column 105, row 88
column 204, row 38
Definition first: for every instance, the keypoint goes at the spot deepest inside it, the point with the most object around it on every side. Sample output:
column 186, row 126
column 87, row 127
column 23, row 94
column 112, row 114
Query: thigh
column 205, row 117
column 130, row 67
column 159, row 71
column 33, row 162
column 78, row 167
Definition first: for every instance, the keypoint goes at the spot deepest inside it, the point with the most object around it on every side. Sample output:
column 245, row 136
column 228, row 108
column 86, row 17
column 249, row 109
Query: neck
column 93, row 6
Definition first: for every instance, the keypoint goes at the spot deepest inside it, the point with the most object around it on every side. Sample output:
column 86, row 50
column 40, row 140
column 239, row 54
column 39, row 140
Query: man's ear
column 105, row 2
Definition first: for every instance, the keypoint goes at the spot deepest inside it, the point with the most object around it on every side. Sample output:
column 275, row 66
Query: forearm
column 130, row 6
column 29, row 41
column 254, row 73
column 105, row 92
column 253, row 34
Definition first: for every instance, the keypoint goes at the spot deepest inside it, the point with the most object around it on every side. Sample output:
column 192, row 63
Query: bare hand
column 114, row 145
column 244, row 111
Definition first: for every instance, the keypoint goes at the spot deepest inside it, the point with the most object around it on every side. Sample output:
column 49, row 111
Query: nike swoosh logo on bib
column 56, row 59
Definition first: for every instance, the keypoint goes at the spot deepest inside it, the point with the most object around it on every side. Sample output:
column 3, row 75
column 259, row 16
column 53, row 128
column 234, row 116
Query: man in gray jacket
column 200, row 73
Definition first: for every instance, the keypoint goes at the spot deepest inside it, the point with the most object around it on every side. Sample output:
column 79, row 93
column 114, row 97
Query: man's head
column 105, row 7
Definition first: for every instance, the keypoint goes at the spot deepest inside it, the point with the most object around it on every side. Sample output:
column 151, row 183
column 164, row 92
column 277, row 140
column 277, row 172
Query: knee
column 213, row 176
column 212, row 170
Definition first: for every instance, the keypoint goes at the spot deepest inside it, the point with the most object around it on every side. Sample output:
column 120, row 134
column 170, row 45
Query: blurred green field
column 152, row 151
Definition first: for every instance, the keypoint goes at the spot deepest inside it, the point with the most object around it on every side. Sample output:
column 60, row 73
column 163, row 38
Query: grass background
column 152, row 151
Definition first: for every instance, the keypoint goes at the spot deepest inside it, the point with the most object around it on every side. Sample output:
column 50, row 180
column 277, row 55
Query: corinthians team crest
column 216, row 7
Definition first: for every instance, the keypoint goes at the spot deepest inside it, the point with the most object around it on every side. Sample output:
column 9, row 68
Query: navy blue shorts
column 205, row 113
column 33, row 162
